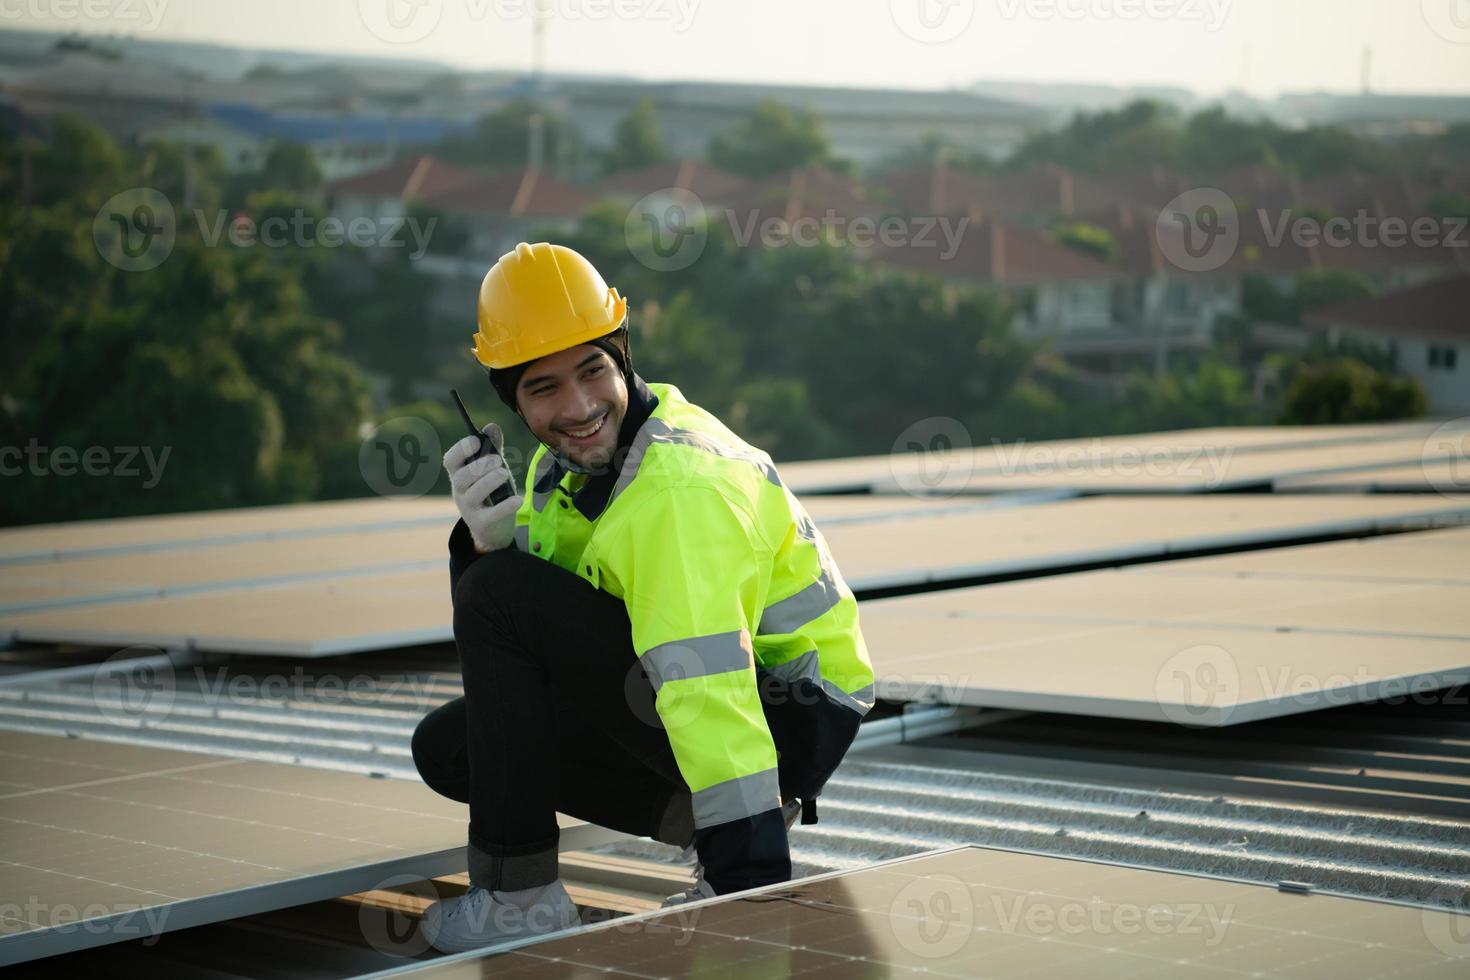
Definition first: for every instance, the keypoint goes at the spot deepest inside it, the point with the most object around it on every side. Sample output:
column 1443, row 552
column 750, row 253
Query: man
column 655, row 639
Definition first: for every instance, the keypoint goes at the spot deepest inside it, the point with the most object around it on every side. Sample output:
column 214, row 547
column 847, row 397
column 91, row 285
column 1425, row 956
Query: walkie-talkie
column 487, row 448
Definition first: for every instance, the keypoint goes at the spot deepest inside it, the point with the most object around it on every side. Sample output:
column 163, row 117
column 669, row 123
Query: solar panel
column 1137, row 471
column 1183, row 461
column 382, row 609
column 1079, row 532
column 133, row 534
column 211, row 567
column 1448, row 476
column 975, row 911
column 1440, row 556
column 105, row 842
column 1197, row 642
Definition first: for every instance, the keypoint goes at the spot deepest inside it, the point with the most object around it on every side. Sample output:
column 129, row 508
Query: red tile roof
column 406, row 177
column 999, row 253
column 1438, row 310
column 516, row 192
column 710, row 184
column 459, row 189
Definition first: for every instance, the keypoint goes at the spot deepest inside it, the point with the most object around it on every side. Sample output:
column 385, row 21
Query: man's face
column 572, row 392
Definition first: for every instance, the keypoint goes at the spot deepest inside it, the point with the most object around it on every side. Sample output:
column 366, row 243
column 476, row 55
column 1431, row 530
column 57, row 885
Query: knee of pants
column 437, row 739
column 491, row 575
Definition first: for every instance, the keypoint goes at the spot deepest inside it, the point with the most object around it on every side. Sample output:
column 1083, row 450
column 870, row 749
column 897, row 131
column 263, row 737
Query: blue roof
column 320, row 128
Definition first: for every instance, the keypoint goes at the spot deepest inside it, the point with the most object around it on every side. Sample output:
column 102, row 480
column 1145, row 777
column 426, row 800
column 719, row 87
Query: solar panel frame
column 444, row 855
column 538, row 956
column 380, row 610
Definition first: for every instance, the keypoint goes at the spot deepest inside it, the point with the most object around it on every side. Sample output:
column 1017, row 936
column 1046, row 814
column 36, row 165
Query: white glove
column 491, row 526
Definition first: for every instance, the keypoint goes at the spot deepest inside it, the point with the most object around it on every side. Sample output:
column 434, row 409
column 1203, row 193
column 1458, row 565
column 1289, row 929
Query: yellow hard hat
column 541, row 299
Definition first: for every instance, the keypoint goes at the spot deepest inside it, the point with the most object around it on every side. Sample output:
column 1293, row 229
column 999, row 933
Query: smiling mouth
column 586, row 432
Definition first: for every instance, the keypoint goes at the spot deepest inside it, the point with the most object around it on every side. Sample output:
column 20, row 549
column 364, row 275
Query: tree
column 1316, row 288
column 773, row 137
column 210, row 363
column 1344, row 389
column 289, row 167
column 1090, row 239
column 1141, row 134
column 636, row 140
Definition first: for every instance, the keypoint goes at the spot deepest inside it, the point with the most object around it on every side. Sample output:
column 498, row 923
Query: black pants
column 557, row 715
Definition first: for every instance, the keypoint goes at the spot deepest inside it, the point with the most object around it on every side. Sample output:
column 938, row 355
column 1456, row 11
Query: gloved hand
column 492, row 527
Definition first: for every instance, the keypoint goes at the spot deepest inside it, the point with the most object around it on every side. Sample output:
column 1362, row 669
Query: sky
column 1264, row 47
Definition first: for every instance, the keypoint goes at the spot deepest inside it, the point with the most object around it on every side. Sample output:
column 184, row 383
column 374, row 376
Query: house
column 1425, row 329
column 709, row 184
column 496, row 210
column 1060, row 294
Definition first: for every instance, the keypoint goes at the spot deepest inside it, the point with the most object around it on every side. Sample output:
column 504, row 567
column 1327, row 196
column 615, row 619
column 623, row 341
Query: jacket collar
column 591, row 500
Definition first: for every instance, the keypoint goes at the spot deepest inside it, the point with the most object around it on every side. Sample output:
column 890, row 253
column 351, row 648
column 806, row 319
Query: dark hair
column 619, row 347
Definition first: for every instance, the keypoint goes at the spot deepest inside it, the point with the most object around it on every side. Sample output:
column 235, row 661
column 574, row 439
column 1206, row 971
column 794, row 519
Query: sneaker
column 790, row 810
column 481, row 917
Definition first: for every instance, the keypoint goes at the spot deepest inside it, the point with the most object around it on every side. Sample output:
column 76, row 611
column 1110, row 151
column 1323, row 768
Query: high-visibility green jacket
column 722, row 571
